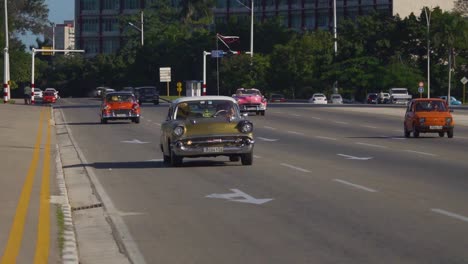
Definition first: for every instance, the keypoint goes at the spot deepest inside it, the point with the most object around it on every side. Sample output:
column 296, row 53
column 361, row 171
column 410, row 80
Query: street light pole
column 141, row 29
column 335, row 38
column 251, row 27
column 6, row 61
column 428, row 21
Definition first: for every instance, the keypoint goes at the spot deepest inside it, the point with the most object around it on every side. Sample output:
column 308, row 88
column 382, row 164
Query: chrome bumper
column 120, row 116
column 247, row 108
column 207, row 148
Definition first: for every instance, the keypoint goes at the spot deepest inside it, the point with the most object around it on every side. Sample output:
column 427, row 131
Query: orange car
column 120, row 105
column 428, row 115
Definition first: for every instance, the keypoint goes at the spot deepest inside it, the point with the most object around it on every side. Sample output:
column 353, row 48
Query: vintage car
column 428, row 115
column 206, row 126
column 120, row 105
column 277, row 98
column 250, row 100
column 148, row 94
column 48, row 97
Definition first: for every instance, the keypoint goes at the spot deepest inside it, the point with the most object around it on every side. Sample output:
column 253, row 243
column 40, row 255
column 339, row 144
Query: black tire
column 441, row 134
column 176, row 161
column 450, row 133
column 234, row 158
column 407, row 133
column 136, row 120
column 103, row 121
column 262, row 113
column 247, row 159
column 166, row 159
column 415, row 132
column 156, row 102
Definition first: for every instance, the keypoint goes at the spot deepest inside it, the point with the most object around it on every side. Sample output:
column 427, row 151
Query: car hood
column 249, row 98
column 210, row 126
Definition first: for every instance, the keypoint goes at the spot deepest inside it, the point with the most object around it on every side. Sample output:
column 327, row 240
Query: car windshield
column 276, row 96
column 251, row 92
column 48, row 93
column 429, row 106
column 399, row 91
column 120, row 98
column 336, row 97
column 319, row 95
column 372, row 96
column 206, row 109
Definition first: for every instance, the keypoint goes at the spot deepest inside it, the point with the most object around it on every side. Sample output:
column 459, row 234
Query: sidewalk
column 28, row 186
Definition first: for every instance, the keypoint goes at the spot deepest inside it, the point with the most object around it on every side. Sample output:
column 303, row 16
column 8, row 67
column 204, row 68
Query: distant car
column 453, row 100
column 277, row 98
column 372, row 98
column 251, row 101
column 146, row 94
column 428, row 115
column 318, row 98
column 128, row 89
column 206, row 126
column 49, row 97
column 336, row 99
column 99, row 92
column 54, row 91
column 120, row 105
column 383, row 98
column 38, row 93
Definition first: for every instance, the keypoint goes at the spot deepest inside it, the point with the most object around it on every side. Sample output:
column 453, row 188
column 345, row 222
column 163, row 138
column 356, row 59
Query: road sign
column 165, row 74
column 421, row 89
column 217, row 53
column 47, row 53
column 179, row 87
column 421, row 84
column 464, row 80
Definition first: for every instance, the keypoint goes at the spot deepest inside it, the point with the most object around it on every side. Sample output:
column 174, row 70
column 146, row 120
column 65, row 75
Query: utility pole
column 6, row 62
column 428, row 21
column 141, row 29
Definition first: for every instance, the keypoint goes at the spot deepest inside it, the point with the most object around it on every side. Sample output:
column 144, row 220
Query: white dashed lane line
column 341, row 122
column 158, row 124
column 370, row 145
column 355, row 185
column 366, row 126
column 419, row 152
column 257, row 157
column 294, row 167
column 450, row 214
column 328, row 138
column 294, row 132
column 296, row 115
column 268, row 127
column 267, row 139
column 316, row 118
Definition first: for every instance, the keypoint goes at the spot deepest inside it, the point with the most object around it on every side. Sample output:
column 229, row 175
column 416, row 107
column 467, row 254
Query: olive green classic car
column 206, row 126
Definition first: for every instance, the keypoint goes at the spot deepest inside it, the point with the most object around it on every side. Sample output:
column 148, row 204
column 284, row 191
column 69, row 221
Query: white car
column 54, row 91
column 37, row 93
column 336, row 99
column 318, row 98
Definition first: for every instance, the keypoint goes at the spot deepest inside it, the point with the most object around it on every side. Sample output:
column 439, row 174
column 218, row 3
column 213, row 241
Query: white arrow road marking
column 419, row 152
column 159, row 124
column 354, row 158
column 294, row 132
column 370, row 145
column 238, row 196
column 267, row 139
column 135, row 141
column 294, row 167
column 269, row 127
column 447, row 213
column 355, row 185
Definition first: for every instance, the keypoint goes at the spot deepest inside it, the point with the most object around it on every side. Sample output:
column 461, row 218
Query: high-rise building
column 61, row 35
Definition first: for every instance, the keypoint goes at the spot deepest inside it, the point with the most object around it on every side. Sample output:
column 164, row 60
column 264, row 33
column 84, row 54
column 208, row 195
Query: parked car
column 336, row 99
column 372, row 98
column 49, row 97
column 277, row 98
column 128, row 89
column 318, row 98
column 56, row 93
column 428, row 115
column 120, row 105
column 147, row 94
column 251, row 101
column 38, row 93
column 399, row 96
column 453, row 100
column 206, row 126
column 383, row 98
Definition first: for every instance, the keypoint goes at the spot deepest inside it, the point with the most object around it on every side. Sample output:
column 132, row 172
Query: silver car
column 336, row 99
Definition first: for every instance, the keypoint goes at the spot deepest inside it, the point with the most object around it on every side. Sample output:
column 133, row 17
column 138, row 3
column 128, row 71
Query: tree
column 461, row 6
column 27, row 15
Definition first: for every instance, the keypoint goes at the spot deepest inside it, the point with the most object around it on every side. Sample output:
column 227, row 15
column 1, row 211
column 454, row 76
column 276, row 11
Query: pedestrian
column 27, row 95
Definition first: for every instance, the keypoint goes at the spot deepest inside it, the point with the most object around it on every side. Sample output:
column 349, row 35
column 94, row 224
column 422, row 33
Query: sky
column 59, row 10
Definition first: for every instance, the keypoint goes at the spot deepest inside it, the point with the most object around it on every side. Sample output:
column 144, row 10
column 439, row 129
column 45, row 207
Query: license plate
column 252, row 108
column 213, row 149
column 435, row 127
column 121, row 115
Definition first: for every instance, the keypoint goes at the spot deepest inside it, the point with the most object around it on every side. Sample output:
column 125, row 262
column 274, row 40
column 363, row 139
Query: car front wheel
column 441, row 134
column 247, row 158
column 450, row 133
column 176, row 160
column 407, row 133
column 415, row 132
column 136, row 120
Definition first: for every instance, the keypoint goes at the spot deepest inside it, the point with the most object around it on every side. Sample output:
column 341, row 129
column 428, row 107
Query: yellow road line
column 16, row 233
column 43, row 234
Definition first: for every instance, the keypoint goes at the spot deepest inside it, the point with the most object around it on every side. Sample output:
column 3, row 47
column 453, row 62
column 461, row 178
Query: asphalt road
column 345, row 187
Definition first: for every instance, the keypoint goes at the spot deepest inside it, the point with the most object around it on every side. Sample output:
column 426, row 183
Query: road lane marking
column 16, row 232
column 239, row 196
column 373, row 127
column 268, row 139
column 151, row 160
column 159, row 124
column 296, row 115
column 257, row 157
column 316, row 118
column 43, row 227
column 135, row 141
column 355, row 185
column 419, row 152
column 370, row 145
column 294, row 132
column 340, row 122
column 329, row 138
column 148, row 120
column 268, row 127
column 450, row 214
column 294, row 167
column 354, row 157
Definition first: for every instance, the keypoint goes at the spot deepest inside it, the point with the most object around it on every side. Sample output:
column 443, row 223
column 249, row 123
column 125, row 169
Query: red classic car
column 48, row 97
column 120, row 105
column 251, row 100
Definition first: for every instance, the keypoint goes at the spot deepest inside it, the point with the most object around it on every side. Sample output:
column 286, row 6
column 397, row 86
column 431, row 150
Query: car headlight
column 448, row 120
column 422, row 120
column 179, row 131
column 245, row 127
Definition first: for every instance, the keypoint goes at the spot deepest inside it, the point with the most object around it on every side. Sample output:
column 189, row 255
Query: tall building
column 318, row 14
column 62, row 35
column 98, row 28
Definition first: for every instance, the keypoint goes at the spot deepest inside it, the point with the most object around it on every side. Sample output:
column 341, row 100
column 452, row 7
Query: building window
column 110, row 25
column 323, row 4
column 89, row 5
column 296, row 3
column 90, row 25
column 110, row 46
column 131, row 4
column 296, row 20
column 367, row 2
column 310, row 20
column 352, row 2
column 383, row 2
column 221, row 3
column 91, row 46
column 149, row 3
column 322, row 20
column 111, row 4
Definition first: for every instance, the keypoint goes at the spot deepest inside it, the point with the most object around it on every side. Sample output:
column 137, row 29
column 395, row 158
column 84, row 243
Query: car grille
column 122, row 111
column 218, row 141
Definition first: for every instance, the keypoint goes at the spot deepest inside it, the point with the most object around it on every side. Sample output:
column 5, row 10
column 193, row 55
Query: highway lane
column 398, row 206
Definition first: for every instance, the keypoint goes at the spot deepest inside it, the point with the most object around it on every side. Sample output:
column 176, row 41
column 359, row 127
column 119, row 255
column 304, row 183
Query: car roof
column 203, row 98
column 119, row 92
column 146, row 87
column 428, row 99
